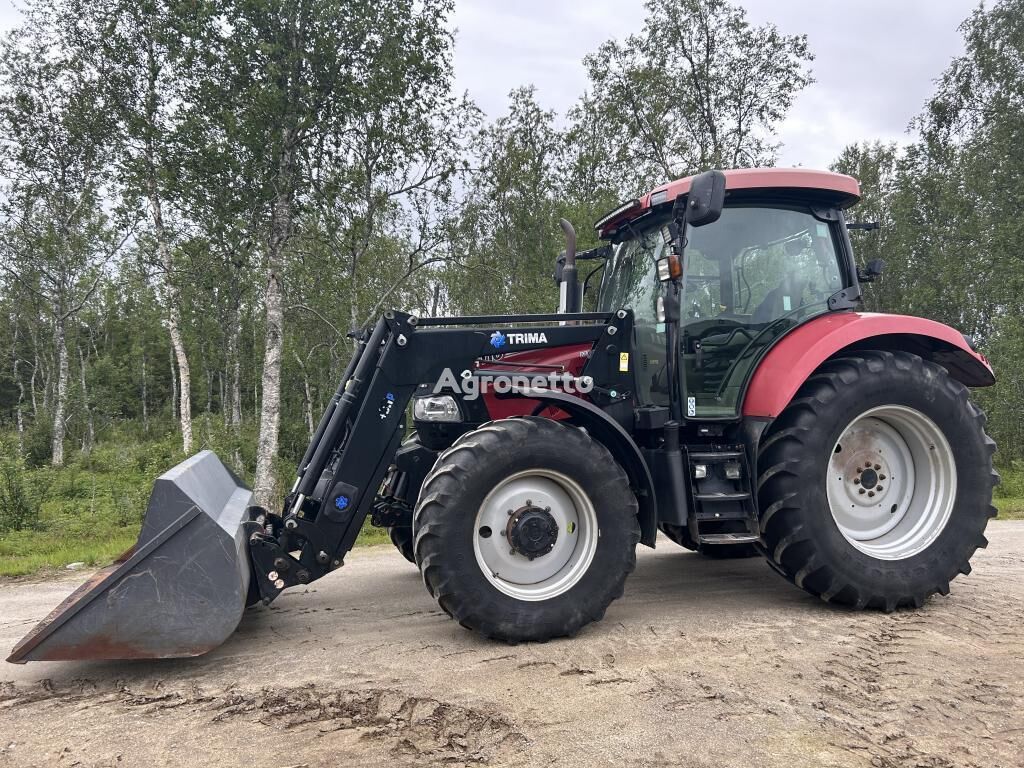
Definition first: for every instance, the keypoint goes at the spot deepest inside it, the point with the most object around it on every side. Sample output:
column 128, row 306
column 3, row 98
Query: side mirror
column 706, row 198
column 870, row 271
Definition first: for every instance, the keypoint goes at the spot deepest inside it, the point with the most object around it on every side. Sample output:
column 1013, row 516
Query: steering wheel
column 715, row 326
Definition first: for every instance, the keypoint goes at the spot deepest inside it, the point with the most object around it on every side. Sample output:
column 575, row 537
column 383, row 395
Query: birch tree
column 699, row 87
column 58, row 238
column 136, row 47
column 285, row 71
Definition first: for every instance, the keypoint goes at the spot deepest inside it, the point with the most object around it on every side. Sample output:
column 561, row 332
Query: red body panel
column 845, row 188
column 568, row 359
column 788, row 364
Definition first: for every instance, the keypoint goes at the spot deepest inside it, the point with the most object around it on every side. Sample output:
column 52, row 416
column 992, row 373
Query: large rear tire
column 402, row 538
column 875, row 484
column 526, row 529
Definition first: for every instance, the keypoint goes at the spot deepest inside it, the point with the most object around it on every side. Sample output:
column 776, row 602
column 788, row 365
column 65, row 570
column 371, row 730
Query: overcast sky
column 875, row 63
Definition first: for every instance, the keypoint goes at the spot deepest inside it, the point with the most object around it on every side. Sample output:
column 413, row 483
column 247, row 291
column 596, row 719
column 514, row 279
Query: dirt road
column 702, row 663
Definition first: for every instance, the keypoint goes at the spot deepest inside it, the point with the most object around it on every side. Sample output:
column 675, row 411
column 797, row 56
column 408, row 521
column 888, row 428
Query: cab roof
column 836, row 188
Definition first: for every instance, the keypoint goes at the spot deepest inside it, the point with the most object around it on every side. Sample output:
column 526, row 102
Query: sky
column 875, row 66
column 875, row 60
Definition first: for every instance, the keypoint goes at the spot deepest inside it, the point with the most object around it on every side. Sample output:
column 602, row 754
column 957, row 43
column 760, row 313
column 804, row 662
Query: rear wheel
column 401, row 537
column 526, row 529
column 875, row 484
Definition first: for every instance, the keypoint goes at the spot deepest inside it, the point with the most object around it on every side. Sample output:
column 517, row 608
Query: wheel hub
column 532, row 531
column 536, row 534
column 891, row 482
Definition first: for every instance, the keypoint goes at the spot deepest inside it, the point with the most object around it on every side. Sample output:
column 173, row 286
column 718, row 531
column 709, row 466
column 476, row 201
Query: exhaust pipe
column 569, row 296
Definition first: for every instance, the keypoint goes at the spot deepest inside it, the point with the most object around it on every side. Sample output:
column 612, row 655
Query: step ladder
column 721, row 489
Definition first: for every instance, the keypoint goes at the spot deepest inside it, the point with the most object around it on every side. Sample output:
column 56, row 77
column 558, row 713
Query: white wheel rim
column 891, row 482
column 554, row 572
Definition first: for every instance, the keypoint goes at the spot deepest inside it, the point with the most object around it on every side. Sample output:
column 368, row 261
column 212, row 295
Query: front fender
column 797, row 355
column 609, row 433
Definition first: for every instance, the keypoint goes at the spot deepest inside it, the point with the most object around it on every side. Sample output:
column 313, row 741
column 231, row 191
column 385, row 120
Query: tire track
column 908, row 678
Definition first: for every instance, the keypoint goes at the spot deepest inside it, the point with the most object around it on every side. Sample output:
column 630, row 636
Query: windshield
column 631, row 282
column 747, row 279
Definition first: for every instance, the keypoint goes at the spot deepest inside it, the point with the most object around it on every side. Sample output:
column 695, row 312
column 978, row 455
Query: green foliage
column 697, row 88
column 19, row 509
column 1009, row 494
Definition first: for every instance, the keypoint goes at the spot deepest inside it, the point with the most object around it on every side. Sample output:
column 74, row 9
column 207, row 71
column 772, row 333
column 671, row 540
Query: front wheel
column 875, row 484
column 526, row 529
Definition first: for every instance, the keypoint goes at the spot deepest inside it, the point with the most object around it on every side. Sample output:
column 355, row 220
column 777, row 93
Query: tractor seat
column 787, row 296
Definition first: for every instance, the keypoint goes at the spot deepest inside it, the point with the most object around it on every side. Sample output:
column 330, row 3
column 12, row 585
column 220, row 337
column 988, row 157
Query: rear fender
column 798, row 354
column 609, row 433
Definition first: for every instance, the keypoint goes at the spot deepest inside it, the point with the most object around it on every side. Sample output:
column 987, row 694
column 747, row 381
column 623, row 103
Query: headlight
column 436, row 408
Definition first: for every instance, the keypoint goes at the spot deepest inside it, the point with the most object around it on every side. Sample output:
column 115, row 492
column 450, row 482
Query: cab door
column 749, row 278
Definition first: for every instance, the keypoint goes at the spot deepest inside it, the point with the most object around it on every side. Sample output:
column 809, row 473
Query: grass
column 90, row 511
column 29, row 552
column 1010, row 509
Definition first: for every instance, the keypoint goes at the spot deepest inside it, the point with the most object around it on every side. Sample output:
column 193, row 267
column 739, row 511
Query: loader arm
column 362, row 426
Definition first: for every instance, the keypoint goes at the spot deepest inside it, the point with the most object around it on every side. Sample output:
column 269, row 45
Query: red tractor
column 726, row 391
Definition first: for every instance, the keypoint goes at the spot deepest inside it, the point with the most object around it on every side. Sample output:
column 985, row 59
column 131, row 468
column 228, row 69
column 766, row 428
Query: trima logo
column 527, row 338
column 499, row 339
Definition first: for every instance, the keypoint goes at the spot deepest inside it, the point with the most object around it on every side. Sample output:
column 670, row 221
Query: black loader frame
column 363, row 424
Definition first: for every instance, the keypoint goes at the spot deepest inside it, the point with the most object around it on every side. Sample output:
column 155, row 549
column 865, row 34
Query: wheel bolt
column 871, row 493
column 856, row 481
column 879, row 488
column 881, row 477
column 878, row 466
column 861, row 490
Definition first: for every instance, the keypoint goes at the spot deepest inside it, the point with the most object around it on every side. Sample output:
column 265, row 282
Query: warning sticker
column 623, row 362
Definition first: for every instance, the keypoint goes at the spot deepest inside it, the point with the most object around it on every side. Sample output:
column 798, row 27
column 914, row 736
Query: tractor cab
column 776, row 256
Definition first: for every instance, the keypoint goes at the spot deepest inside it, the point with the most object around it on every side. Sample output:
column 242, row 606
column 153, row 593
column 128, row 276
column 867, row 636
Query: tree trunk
column 89, row 440
column 174, row 386
column 264, row 485
column 19, row 415
column 32, row 389
column 436, row 300
column 45, row 371
column 235, row 356
column 145, row 410
column 307, row 394
column 59, row 428
column 209, row 392
column 174, row 324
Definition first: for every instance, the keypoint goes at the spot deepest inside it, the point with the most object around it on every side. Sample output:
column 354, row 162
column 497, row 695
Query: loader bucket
column 180, row 591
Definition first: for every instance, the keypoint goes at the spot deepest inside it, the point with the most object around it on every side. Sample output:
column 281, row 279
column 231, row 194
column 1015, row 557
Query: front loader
column 727, row 392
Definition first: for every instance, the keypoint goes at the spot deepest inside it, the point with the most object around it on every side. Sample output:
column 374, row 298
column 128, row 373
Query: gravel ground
column 702, row 663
